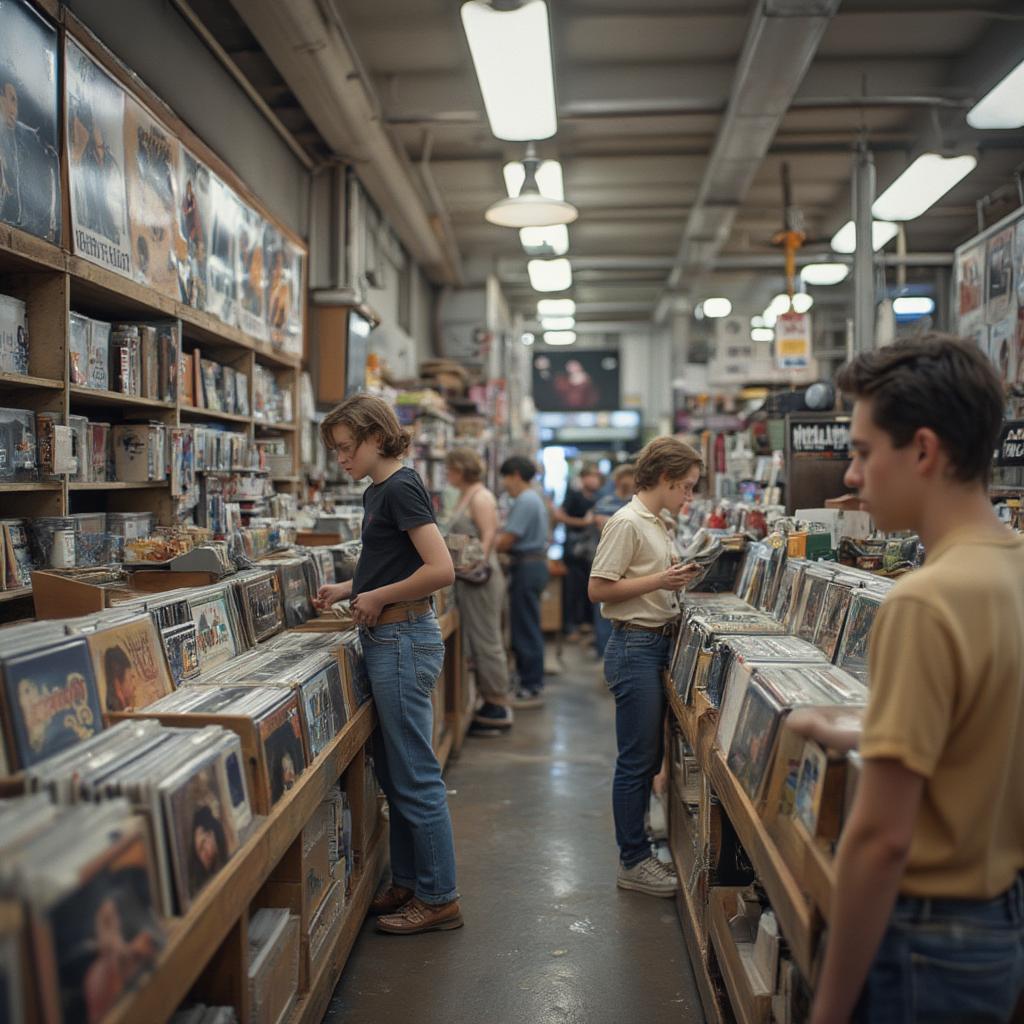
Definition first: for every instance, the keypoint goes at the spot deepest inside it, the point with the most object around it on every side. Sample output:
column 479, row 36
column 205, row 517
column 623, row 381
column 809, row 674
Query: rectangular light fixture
column 559, row 337
column 824, row 273
column 558, row 323
column 1003, row 106
column 549, row 179
column 922, row 185
column 556, row 307
column 549, row 241
column 549, row 275
column 882, row 233
column 511, row 53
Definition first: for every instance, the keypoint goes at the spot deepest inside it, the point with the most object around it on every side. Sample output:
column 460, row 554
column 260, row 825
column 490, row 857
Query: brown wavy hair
column 367, row 416
column 668, row 457
column 467, row 462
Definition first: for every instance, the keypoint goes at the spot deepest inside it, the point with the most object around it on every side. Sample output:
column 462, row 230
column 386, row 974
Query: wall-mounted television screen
column 577, row 381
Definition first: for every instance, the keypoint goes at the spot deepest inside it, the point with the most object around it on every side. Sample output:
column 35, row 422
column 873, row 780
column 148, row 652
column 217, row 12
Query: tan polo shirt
column 635, row 542
column 947, row 700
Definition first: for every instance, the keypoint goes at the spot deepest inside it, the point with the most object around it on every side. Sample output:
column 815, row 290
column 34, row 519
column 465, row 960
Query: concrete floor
column 548, row 937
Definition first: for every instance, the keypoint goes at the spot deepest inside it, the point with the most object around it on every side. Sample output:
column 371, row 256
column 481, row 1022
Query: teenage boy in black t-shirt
column 403, row 561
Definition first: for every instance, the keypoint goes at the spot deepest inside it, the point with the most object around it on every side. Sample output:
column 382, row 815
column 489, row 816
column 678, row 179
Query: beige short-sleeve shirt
column 635, row 542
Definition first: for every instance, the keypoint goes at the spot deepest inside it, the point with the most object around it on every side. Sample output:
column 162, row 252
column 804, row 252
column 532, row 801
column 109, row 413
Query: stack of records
column 298, row 579
column 274, row 950
column 754, row 650
column 703, row 550
column 757, row 581
column 852, row 650
column 809, row 602
column 790, row 585
column 346, row 557
column 219, row 631
column 172, row 614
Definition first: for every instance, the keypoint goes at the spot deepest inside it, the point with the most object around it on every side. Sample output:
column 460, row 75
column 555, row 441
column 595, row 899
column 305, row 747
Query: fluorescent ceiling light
column 824, row 273
column 913, row 305
column 528, row 338
column 558, row 323
column 762, row 334
column 716, row 307
column 549, row 241
column 802, row 302
column 549, row 275
column 922, row 185
column 770, row 317
column 559, row 337
column 882, row 233
column 530, row 209
column 556, row 307
column 549, row 178
column 1003, row 107
column 780, row 304
column 757, row 321
column 512, row 57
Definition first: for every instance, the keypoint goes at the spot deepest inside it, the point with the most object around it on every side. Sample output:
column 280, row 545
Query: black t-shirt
column 577, row 505
column 391, row 508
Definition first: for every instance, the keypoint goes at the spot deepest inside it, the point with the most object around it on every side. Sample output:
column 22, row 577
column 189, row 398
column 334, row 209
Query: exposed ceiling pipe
column 781, row 41
column 307, row 43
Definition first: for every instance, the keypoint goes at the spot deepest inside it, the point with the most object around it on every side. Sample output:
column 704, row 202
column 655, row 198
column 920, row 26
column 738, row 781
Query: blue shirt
column 609, row 504
column 528, row 520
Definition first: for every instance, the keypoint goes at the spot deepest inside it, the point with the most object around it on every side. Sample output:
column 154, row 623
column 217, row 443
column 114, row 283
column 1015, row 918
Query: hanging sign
column 793, row 341
column 1010, row 451
column 820, row 438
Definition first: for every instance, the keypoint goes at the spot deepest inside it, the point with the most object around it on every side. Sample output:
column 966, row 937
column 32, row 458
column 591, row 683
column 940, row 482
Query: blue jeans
column 602, row 631
column 526, row 583
column 403, row 662
column 633, row 663
column 951, row 961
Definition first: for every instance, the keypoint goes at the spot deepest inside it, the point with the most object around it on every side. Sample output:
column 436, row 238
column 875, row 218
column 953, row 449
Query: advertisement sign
column 793, row 341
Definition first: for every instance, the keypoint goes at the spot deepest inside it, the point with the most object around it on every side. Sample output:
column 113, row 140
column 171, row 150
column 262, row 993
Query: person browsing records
column 524, row 537
column 404, row 559
column 624, row 484
column 927, row 916
column 636, row 578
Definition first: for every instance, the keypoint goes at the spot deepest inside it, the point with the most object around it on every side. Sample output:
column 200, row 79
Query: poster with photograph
column 250, row 274
column 30, row 196
column 221, row 292
column 1019, row 378
column 294, row 261
column 970, row 283
column 1002, row 348
column 130, row 666
column 195, row 220
column 152, row 158
column 1018, row 261
column 1000, row 276
column 279, row 292
column 577, row 381
column 95, row 143
column 285, row 758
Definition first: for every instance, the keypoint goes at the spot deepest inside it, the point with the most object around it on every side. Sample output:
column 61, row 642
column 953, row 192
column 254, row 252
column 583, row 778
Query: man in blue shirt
column 525, row 539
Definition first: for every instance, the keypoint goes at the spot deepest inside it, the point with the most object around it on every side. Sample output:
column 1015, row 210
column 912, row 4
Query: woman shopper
column 404, row 560
column 480, row 604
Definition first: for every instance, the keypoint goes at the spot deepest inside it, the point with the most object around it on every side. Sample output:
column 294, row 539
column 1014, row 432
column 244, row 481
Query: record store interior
column 511, row 510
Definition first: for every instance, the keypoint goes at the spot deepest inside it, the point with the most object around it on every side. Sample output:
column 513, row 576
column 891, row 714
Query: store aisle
column 548, row 937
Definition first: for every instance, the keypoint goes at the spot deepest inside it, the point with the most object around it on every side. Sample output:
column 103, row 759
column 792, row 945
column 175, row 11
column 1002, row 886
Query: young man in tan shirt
column 927, row 919
column 636, row 577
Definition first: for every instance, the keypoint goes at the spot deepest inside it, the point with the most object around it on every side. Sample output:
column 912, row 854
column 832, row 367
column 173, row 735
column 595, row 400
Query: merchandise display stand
column 454, row 695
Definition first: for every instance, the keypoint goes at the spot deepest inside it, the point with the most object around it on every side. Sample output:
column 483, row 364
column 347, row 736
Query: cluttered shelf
column 195, row 938
column 81, row 395
column 213, row 414
column 15, row 593
column 24, row 380
column 25, row 486
column 117, row 485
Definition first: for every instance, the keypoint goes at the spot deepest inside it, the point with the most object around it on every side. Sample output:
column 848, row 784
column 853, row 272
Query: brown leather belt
column 667, row 630
column 404, row 611
column 529, row 556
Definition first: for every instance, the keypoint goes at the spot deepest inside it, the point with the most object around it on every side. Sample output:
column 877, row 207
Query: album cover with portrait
column 284, row 755
column 130, row 665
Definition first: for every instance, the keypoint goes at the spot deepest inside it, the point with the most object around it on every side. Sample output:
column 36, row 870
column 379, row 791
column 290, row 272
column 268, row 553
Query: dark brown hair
column 665, row 457
column 938, row 382
column 625, row 469
column 467, row 462
column 367, row 416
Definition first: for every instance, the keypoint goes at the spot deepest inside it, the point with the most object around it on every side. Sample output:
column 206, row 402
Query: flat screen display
column 577, row 381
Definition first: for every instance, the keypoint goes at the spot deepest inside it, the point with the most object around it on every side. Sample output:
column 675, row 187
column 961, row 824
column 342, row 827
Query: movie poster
column 221, row 292
column 251, row 275
column 970, row 283
column 279, row 291
column 95, row 134
column 130, row 665
column 1018, row 261
column 1000, row 276
column 1002, row 343
column 151, row 172
column 195, row 222
column 29, row 163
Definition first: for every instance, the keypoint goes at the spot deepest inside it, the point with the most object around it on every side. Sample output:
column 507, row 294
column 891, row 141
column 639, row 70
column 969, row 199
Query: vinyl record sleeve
column 130, row 665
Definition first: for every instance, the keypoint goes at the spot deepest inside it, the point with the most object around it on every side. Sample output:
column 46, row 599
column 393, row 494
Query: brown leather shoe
column 417, row 916
column 388, row 900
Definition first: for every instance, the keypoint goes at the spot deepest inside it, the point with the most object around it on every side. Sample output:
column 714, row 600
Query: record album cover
column 181, row 644
column 195, row 221
column 321, row 717
column 263, row 608
column 13, row 335
column 130, row 665
column 752, row 743
column 281, row 732
column 810, row 782
column 95, row 143
column 252, row 317
column 970, row 278
column 1000, row 288
column 78, row 350
column 17, row 443
column 221, row 292
column 213, row 626
column 51, row 700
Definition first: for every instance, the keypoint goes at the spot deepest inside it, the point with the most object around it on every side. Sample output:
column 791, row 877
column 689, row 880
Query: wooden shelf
column 214, row 414
column 746, row 1007
column 265, row 425
column 21, row 252
column 285, row 479
column 92, row 396
column 195, row 938
column 117, row 485
column 22, row 380
column 15, row 593
column 15, row 487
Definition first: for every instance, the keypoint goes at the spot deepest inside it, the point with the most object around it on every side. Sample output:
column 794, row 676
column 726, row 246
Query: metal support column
column 864, row 257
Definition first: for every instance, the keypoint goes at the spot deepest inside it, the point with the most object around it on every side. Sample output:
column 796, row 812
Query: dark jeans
column 578, row 608
column 633, row 663
column 526, row 583
column 948, row 962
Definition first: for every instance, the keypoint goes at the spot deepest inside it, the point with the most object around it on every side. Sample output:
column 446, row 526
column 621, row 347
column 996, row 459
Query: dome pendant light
column 530, row 209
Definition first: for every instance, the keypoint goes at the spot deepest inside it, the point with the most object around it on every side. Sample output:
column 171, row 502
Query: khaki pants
column 480, row 613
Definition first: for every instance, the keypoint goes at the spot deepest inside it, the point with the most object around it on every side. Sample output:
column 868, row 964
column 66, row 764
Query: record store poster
column 279, row 293
column 95, row 134
column 221, row 294
column 1000, row 276
column 152, row 156
column 196, row 220
column 29, row 165
column 293, row 329
column 250, row 276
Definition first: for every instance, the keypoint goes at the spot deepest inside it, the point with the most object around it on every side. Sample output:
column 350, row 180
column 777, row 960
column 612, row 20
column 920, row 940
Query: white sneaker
column 649, row 876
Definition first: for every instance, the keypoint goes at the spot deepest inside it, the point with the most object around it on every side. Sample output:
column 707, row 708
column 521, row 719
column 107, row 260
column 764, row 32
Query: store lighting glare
column 528, row 338
column 559, row 337
column 913, row 305
column 757, row 321
column 511, row 52
column 549, row 241
column 549, row 178
column 762, row 334
column 821, row 274
column 1003, row 107
column 802, row 302
column 716, row 308
column 922, row 185
column 558, row 323
column 549, row 275
column 770, row 317
column 556, row 307
column 882, row 233
column 779, row 305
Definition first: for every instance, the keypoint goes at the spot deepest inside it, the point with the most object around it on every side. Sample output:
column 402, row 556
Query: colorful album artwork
column 130, row 665
column 251, row 274
column 281, row 732
column 213, row 632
